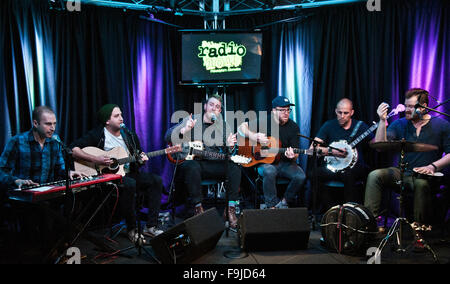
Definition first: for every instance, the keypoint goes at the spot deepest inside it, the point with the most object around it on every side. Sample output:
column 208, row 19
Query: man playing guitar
column 110, row 135
column 287, row 133
column 209, row 129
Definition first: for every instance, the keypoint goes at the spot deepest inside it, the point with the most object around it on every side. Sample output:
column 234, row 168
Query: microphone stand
column 140, row 243
column 432, row 109
column 237, row 253
column 67, row 154
column 315, row 181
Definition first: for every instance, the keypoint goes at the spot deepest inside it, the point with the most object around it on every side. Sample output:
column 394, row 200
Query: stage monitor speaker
column 190, row 239
column 277, row 229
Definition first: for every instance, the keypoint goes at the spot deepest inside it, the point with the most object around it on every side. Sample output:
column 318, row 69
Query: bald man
column 343, row 127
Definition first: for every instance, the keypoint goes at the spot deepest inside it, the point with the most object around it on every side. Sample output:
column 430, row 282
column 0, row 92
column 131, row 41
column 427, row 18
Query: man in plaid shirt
column 34, row 157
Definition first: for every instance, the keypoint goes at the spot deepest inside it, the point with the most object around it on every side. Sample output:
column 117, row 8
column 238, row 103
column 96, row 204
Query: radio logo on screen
column 221, row 57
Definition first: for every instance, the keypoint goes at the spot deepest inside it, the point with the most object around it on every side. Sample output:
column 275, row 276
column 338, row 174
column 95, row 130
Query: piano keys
column 56, row 189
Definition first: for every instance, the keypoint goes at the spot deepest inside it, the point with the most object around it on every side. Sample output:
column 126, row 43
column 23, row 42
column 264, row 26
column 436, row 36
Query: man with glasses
column 416, row 126
column 343, row 127
column 208, row 128
column 280, row 126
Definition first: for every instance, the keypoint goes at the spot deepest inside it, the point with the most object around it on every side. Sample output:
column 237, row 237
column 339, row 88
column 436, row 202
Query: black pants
column 148, row 184
column 194, row 171
column 349, row 177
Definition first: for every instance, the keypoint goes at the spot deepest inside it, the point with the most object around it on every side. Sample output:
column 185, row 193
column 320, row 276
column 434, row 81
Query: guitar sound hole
column 114, row 166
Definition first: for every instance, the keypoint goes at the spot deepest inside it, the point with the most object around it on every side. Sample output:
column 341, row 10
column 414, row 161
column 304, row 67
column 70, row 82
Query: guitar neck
column 364, row 135
column 282, row 150
column 209, row 155
column 132, row 159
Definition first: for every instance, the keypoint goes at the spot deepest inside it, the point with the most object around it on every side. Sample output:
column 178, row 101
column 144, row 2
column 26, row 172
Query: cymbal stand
column 397, row 228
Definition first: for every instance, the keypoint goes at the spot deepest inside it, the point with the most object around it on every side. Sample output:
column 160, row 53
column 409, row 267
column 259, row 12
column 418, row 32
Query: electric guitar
column 265, row 154
column 119, row 156
column 190, row 150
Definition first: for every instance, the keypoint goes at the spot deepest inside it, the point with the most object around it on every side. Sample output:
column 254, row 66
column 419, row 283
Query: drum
column 348, row 228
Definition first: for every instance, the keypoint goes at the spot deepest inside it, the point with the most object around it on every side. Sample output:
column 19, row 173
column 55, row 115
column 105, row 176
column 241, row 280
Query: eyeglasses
column 284, row 110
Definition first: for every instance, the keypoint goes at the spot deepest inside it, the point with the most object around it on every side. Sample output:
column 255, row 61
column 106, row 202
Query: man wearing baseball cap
column 280, row 126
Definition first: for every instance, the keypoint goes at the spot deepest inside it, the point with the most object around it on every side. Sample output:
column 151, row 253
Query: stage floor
column 316, row 253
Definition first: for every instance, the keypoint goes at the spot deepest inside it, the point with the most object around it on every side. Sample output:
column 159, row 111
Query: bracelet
column 330, row 151
column 434, row 166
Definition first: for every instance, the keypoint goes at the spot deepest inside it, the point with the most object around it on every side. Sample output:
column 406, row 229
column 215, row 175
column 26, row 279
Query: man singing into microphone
column 209, row 129
column 34, row 157
column 416, row 126
column 31, row 158
column 107, row 136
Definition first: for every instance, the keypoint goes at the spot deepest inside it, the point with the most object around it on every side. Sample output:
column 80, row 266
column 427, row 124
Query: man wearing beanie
column 110, row 135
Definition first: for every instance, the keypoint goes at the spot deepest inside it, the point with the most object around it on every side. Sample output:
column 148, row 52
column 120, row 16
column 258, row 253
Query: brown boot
column 198, row 210
column 233, row 220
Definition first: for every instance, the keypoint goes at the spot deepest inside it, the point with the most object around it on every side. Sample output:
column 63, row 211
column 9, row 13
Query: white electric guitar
column 190, row 150
column 338, row 164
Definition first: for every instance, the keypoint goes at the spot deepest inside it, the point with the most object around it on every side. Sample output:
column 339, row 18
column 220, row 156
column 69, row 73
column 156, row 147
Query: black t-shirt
column 212, row 135
column 287, row 133
column 332, row 131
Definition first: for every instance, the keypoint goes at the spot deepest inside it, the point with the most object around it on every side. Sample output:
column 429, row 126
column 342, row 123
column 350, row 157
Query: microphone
column 416, row 107
column 63, row 146
column 57, row 139
column 395, row 111
column 417, row 111
column 213, row 118
column 122, row 125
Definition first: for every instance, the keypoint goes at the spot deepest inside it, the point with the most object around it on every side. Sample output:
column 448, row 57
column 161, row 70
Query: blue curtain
column 369, row 57
column 75, row 62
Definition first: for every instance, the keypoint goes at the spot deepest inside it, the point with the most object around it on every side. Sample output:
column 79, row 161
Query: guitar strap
column 350, row 138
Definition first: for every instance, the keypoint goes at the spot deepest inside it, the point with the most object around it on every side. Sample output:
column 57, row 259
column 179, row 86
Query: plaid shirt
column 23, row 158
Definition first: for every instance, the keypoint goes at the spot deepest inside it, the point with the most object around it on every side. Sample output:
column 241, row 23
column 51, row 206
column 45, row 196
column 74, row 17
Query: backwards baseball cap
column 281, row 101
column 104, row 114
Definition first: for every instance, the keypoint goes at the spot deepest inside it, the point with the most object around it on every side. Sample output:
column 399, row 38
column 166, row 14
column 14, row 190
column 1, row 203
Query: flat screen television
column 223, row 57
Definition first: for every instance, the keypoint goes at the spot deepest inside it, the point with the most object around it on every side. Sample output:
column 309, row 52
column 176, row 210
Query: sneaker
column 133, row 236
column 282, row 205
column 198, row 210
column 152, row 231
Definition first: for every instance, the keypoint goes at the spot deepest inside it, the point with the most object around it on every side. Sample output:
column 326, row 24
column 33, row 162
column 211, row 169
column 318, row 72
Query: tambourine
column 434, row 176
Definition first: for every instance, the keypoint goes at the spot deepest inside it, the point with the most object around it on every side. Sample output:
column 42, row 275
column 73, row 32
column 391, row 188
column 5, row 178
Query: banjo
column 338, row 164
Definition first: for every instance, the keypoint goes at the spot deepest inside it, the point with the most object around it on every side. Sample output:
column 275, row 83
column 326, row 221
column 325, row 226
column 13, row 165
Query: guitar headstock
column 238, row 159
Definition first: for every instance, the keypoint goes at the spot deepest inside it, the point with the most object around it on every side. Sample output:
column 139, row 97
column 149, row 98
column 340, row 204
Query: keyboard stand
column 77, row 228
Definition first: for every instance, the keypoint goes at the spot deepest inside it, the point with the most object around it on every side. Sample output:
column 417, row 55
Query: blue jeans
column 285, row 169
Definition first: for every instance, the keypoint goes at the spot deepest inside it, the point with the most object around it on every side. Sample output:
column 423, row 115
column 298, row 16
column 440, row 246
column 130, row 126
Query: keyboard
column 58, row 188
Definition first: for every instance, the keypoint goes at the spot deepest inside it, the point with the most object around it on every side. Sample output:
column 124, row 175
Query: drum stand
column 396, row 228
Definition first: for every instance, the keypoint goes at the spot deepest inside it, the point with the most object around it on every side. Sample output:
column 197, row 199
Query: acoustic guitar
column 119, row 156
column 265, row 154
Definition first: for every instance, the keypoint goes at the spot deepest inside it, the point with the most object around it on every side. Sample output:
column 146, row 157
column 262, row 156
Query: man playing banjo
column 347, row 166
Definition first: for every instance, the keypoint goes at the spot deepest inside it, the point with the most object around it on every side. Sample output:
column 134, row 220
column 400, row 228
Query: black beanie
column 105, row 112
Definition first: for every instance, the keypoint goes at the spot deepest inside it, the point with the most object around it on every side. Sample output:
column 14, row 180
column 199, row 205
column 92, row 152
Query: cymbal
column 408, row 146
